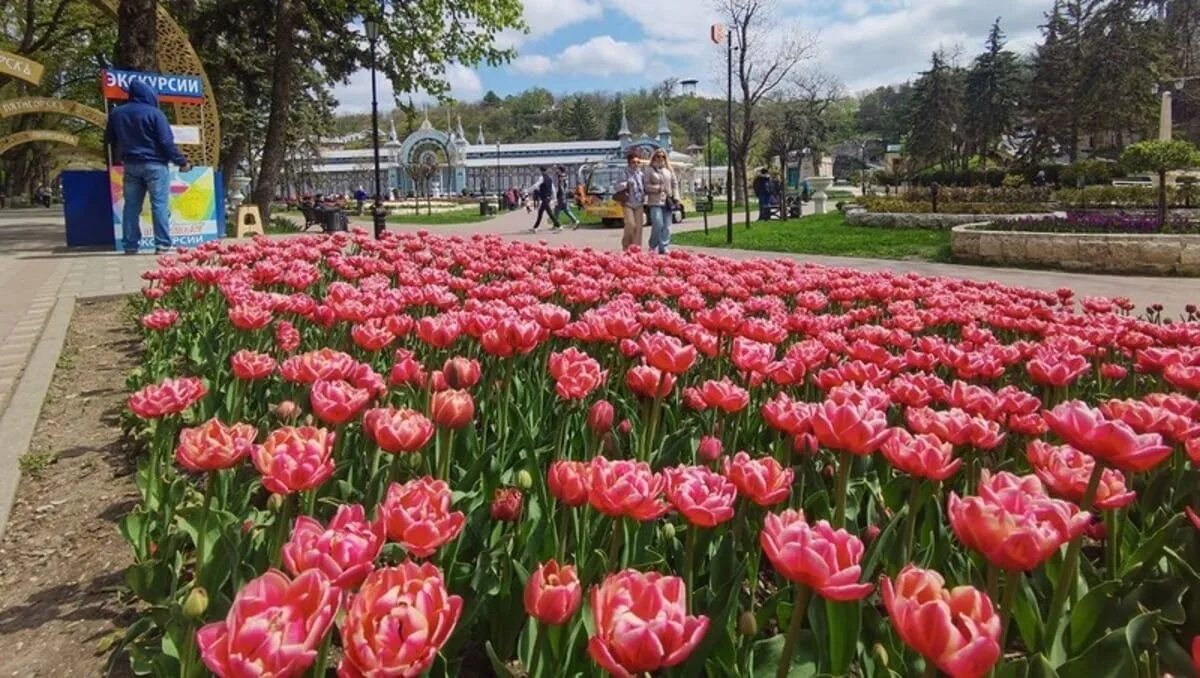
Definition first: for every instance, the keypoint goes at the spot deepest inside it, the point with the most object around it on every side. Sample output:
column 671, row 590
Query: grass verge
column 828, row 234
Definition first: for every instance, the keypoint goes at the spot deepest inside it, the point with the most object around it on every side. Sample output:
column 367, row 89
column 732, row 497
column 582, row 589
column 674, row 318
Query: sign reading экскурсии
column 176, row 89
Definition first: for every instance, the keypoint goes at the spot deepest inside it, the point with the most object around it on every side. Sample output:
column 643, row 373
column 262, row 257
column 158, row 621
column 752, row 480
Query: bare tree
column 797, row 118
column 769, row 50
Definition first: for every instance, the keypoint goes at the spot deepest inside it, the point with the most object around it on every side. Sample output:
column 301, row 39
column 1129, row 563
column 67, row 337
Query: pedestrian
column 662, row 190
column 762, row 191
column 563, row 191
column 630, row 192
column 360, row 197
column 145, row 145
column 543, row 190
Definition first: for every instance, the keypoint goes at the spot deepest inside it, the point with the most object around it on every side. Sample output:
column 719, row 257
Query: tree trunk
column 281, row 95
column 1162, row 198
column 231, row 158
column 783, row 163
column 137, row 34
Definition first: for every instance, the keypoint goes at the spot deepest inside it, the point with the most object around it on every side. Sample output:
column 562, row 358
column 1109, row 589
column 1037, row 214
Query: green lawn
column 827, row 234
column 460, row 216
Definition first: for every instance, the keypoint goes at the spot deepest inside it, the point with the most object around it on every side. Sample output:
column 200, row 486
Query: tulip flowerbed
column 479, row 457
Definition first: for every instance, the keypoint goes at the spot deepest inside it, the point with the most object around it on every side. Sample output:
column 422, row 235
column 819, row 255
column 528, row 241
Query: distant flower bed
column 1101, row 223
column 896, row 204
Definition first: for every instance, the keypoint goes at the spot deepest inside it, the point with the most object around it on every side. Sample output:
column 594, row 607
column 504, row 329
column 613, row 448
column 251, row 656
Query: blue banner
column 170, row 88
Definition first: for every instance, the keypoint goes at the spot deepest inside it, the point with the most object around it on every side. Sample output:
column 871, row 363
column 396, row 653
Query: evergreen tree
column 1122, row 44
column 1052, row 91
column 613, row 124
column 576, row 120
column 936, row 110
column 992, row 94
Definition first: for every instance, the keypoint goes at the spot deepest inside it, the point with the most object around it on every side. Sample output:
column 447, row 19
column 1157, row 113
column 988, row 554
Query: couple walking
column 553, row 197
column 653, row 190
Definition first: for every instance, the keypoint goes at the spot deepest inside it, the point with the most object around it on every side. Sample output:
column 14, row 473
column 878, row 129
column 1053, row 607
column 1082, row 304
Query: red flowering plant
column 430, row 455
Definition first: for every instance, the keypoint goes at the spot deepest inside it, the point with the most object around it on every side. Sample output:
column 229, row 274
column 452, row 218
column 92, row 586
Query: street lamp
column 377, row 212
column 499, row 194
column 708, row 161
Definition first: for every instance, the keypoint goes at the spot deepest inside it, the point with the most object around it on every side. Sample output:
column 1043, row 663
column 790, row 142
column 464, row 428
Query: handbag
column 621, row 196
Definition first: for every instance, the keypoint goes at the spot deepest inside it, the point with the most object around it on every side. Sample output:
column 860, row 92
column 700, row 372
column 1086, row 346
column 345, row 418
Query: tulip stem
column 910, row 520
column 1012, row 581
column 201, row 538
column 319, row 670
column 789, row 644
column 283, row 517
column 614, row 547
column 689, row 563
column 1066, row 577
column 539, row 648
column 1113, row 544
column 843, row 481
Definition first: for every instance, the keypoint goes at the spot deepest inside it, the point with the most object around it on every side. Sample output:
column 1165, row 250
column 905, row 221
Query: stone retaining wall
column 1090, row 252
column 926, row 219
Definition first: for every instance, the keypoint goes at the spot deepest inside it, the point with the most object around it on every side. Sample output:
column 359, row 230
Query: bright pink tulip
column 1111, row 442
column 724, row 395
column 623, row 488
column 250, row 366
column 1013, row 522
column 957, row 629
column 600, row 417
column 763, row 480
column 818, row 556
column 857, row 429
column 337, row 402
column 1066, row 471
column 649, row 382
column 641, row 623
column 397, row 622
column 666, row 353
column 273, row 628
column 417, row 515
column 345, row 550
column 159, row 319
column 397, row 430
column 922, row 456
column 462, row 373
column 452, row 409
column 568, row 481
column 294, row 459
column 506, row 504
column 553, row 593
column 703, row 497
column 709, row 449
column 172, row 396
column 213, row 446
column 249, row 317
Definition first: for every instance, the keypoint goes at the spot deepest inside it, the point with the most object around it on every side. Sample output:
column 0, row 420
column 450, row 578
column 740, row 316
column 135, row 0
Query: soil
column 62, row 560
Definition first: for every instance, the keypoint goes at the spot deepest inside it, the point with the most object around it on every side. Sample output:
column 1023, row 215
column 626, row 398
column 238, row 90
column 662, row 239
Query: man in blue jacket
column 145, row 145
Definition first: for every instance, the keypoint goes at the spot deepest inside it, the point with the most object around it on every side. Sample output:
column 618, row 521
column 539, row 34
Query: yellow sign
column 20, row 67
column 19, row 138
column 47, row 105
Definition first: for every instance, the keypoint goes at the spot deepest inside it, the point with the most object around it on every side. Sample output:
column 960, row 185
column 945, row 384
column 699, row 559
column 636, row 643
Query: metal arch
column 414, row 140
column 174, row 54
column 65, row 107
column 13, row 140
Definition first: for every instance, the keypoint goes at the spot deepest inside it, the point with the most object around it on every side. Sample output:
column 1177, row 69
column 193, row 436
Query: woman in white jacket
column 662, row 190
column 633, row 187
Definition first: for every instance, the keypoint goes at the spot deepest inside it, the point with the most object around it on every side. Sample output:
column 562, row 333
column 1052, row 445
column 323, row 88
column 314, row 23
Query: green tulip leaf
column 764, row 657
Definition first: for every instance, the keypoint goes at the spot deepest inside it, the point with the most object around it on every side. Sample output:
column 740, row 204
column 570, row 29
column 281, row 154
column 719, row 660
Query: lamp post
column 708, row 161
column 729, row 140
column 377, row 212
column 499, row 192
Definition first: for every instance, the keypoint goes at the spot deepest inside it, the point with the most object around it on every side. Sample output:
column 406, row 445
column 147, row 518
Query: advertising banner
column 193, row 205
column 173, row 89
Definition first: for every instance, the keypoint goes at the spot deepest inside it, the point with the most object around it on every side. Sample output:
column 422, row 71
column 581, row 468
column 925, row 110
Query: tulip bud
column 286, row 410
column 275, row 502
column 747, row 624
column 625, row 427
column 880, row 653
column 871, row 534
column 524, row 479
column 710, row 449
column 827, row 471
column 309, row 420
column 196, row 603
column 668, row 531
column 600, row 417
column 610, row 445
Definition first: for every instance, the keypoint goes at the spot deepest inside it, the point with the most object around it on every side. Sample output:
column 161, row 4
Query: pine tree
column 1052, row 91
column 613, row 125
column 937, row 108
column 1123, row 43
column 992, row 94
column 576, row 120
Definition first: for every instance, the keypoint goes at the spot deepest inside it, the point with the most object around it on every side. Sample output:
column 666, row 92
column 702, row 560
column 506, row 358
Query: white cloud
column 532, row 64
column 686, row 20
column 355, row 96
column 544, row 17
column 601, row 56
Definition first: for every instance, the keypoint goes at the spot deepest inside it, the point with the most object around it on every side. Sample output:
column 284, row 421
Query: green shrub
column 892, row 204
column 1091, row 171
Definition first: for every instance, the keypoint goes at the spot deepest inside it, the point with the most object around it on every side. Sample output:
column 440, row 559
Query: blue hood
column 142, row 93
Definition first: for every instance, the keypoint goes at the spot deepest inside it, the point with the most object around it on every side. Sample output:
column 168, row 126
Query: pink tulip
column 623, row 488
column 213, row 446
column 922, row 456
column 703, row 497
column 294, row 459
column 1067, row 471
column 818, row 556
column 641, row 623
column 345, row 550
column 956, row 629
column 417, row 515
column 1111, row 442
column 857, row 429
column 273, row 628
column 763, row 480
column 553, row 594
column 336, row 401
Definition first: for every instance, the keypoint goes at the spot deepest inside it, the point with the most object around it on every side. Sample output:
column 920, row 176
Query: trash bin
column 333, row 220
column 486, row 208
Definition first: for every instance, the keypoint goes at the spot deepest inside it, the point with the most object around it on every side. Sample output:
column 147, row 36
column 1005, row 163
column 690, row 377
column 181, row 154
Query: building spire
column 459, row 130
column 425, row 124
column 624, row 132
column 663, row 126
column 393, row 138
column 479, row 138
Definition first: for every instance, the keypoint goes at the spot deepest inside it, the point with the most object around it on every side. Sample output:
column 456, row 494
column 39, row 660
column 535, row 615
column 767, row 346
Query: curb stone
column 20, row 417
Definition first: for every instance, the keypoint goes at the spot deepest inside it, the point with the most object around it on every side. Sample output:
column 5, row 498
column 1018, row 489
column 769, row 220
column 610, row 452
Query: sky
column 615, row 45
